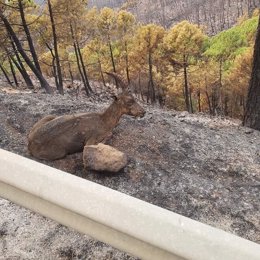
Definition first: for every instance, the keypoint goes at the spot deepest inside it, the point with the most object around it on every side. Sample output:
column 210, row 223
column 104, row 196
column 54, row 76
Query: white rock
column 103, row 157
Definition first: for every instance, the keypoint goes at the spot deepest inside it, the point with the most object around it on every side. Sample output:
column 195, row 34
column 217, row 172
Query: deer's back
column 65, row 135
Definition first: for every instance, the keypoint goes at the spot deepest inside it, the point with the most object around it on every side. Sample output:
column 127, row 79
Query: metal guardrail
column 129, row 224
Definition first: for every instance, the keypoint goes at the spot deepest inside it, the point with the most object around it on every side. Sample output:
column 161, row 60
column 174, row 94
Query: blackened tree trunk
column 127, row 63
column 78, row 60
column 53, row 64
column 252, row 114
column 83, row 67
column 209, row 103
column 112, row 56
column 112, row 59
column 148, row 96
column 19, row 65
column 18, row 44
column 186, row 84
column 71, row 74
column 191, row 103
column 80, row 69
column 151, row 81
column 140, row 86
column 54, row 71
column 28, row 36
column 199, row 100
column 220, row 98
column 101, row 73
column 13, row 72
column 6, row 75
column 55, row 44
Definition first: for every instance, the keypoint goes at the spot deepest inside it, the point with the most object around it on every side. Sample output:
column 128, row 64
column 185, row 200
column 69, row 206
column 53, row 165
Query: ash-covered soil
column 204, row 168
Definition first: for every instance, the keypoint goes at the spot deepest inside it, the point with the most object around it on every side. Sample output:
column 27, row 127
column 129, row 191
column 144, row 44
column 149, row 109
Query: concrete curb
column 129, row 224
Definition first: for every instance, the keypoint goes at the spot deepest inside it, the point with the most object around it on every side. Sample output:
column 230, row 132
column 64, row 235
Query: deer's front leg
column 100, row 138
column 107, row 137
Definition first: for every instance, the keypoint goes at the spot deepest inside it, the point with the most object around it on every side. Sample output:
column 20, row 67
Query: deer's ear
column 115, row 97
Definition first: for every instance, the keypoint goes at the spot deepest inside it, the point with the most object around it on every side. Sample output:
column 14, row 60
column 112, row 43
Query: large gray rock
column 103, row 157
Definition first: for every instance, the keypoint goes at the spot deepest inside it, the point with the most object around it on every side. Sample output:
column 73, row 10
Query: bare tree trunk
column 101, row 73
column 19, row 65
column 199, row 100
column 37, row 73
column 214, row 100
column 55, row 44
column 80, row 70
column 71, row 74
column 127, row 63
column 112, row 56
column 153, row 97
column 6, row 75
column 83, row 67
column 13, row 72
column 209, row 103
column 186, row 86
column 220, row 105
column 112, row 60
column 191, row 103
column 28, row 36
column 53, row 64
column 78, row 60
column 140, row 86
column 54, row 71
column 252, row 114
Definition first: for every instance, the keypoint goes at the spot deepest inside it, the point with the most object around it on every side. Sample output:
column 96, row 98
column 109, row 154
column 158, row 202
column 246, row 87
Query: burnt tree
column 28, row 36
column 26, row 58
column 55, row 44
column 80, row 62
column 252, row 113
column 19, row 64
column 6, row 75
column 13, row 72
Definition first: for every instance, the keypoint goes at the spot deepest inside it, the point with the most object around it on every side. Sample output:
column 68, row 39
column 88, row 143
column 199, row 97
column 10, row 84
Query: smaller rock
column 183, row 114
column 103, row 157
column 249, row 131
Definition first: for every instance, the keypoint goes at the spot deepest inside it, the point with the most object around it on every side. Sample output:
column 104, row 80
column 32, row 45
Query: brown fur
column 54, row 137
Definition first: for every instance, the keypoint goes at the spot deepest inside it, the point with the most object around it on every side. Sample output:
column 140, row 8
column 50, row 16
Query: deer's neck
column 112, row 115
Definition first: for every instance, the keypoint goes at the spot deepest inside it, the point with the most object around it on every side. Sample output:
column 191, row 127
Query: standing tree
column 19, row 65
column 76, row 34
column 252, row 114
column 56, row 53
column 10, row 31
column 148, row 38
column 106, row 27
column 125, row 26
column 21, row 6
column 182, row 44
column 94, row 50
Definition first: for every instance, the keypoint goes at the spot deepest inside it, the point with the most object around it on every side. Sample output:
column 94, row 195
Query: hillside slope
column 204, row 168
column 215, row 15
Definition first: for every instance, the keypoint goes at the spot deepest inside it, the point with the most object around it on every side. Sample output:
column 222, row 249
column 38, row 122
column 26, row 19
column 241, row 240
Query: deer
column 54, row 137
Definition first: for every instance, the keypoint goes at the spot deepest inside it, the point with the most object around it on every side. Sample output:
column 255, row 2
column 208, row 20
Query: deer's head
column 126, row 100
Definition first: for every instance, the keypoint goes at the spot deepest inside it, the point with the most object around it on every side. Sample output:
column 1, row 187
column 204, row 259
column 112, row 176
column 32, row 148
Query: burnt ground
column 204, row 168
